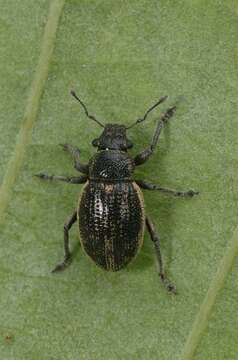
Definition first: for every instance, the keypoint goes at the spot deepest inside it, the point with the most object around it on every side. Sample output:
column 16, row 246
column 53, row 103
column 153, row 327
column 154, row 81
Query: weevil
column 111, row 214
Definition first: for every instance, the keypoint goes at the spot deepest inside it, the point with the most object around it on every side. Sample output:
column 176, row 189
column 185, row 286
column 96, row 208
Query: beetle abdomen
column 111, row 222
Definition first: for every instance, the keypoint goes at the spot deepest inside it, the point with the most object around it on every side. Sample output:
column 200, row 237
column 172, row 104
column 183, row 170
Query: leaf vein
column 216, row 285
column 32, row 106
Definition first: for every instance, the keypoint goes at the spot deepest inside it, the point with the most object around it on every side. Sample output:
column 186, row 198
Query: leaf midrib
column 32, row 106
column 16, row 161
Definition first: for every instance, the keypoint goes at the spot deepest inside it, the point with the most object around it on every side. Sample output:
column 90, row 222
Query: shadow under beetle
column 111, row 211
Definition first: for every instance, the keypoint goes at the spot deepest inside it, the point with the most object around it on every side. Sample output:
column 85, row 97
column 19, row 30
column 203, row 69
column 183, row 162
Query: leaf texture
column 120, row 57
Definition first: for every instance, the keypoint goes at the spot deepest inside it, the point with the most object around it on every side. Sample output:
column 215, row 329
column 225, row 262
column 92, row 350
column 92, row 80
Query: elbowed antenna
column 162, row 99
column 85, row 109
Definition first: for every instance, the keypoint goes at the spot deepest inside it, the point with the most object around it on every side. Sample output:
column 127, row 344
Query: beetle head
column 113, row 137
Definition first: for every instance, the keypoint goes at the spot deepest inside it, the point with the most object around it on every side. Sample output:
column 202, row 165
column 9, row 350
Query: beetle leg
column 69, row 179
column 148, row 186
column 145, row 154
column 156, row 240
column 75, row 153
column 67, row 255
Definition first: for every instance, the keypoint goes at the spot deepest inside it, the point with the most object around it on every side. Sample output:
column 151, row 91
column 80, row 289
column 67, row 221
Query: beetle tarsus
column 168, row 114
column 44, row 176
column 63, row 146
column 168, row 285
column 71, row 149
column 189, row 193
column 62, row 266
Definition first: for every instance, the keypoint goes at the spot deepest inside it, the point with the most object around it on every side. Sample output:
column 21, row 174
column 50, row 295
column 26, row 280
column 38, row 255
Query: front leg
column 148, row 186
column 69, row 179
column 75, row 153
column 145, row 154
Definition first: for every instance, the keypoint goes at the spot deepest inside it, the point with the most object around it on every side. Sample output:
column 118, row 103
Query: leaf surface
column 120, row 57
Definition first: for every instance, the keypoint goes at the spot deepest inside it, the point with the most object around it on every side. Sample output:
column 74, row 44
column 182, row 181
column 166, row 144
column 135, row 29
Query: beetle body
column 111, row 214
column 111, row 211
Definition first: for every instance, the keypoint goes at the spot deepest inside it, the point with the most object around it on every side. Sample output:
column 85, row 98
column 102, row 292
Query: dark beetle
column 111, row 209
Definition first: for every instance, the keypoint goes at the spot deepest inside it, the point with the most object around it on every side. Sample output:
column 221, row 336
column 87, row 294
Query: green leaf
column 120, row 57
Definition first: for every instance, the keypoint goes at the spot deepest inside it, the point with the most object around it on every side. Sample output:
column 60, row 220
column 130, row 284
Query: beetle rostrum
column 113, row 138
column 111, row 215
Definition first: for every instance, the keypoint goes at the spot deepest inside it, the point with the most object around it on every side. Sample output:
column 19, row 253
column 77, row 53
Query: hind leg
column 156, row 240
column 67, row 255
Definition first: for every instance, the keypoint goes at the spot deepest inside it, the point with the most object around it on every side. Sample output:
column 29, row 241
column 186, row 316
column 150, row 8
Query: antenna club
column 164, row 98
